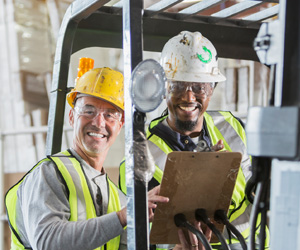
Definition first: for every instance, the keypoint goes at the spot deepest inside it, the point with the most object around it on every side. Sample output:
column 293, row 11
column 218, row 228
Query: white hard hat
column 191, row 57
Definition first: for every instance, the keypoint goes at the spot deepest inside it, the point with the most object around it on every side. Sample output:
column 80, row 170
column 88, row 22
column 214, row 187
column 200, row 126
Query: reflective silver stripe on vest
column 242, row 222
column 81, row 210
column 236, row 246
column 229, row 134
column 164, row 246
column 236, row 143
column 158, row 154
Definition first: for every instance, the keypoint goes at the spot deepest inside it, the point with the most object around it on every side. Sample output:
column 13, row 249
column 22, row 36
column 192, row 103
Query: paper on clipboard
column 194, row 180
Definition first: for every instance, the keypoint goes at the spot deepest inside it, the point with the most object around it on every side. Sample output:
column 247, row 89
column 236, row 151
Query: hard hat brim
column 196, row 77
column 72, row 97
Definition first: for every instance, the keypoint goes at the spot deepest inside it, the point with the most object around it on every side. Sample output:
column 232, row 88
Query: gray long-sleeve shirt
column 43, row 212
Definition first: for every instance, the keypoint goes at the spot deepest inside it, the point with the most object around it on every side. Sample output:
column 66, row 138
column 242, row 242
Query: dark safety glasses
column 178, row 88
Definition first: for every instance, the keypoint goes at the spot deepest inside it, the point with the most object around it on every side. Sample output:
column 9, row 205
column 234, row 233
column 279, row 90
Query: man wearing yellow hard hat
column 66, row 201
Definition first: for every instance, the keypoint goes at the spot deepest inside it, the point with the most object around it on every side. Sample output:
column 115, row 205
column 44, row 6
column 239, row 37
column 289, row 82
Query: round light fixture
column 148, row 83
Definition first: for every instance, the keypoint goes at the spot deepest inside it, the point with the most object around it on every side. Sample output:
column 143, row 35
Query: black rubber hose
column 262, row 234
column 254, row 215
column 221, row 217
column 260, row 204
column 181, row 221
column 200, row 215
column 250, row 188
column 264, row 206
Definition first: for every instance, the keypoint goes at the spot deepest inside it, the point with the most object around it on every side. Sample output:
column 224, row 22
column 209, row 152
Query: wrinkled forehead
column 84, row 99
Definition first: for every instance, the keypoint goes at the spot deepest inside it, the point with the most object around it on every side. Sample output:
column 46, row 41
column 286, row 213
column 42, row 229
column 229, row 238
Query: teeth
column 187, row 108
column 96, row 135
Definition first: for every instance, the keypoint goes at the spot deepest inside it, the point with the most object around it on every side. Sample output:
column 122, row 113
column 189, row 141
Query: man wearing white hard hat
column 190, row 62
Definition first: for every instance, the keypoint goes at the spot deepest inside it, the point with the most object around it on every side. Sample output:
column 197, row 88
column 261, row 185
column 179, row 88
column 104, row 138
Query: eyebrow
column 92, row 106
column 89, row 105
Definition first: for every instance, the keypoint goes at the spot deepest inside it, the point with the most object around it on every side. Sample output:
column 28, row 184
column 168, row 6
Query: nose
column 189, row 95
column 99, row 120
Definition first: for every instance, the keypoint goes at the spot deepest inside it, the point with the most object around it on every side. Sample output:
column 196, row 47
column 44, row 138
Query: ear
column 71, row 118
column 122, row 121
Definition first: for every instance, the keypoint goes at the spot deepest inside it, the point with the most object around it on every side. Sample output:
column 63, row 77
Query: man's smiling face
column 93, row 136
column 186, row 104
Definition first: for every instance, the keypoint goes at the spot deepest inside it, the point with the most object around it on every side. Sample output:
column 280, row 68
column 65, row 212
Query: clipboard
column 194, row 180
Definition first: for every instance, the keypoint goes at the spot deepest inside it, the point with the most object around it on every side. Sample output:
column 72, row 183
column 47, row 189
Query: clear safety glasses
column 91, row 112
column 178, row 88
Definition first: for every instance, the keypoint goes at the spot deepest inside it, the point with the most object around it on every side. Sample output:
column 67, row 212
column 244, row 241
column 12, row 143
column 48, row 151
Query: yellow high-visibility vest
column 220, row 125
column 64, row 165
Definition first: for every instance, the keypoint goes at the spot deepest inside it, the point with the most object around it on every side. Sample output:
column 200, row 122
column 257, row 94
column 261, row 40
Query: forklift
column 273, row 131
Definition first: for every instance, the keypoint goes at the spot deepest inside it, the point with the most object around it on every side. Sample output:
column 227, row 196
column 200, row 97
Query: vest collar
column 175, row 140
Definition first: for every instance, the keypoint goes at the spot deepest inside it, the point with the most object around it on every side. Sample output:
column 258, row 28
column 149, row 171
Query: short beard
column 185, row 126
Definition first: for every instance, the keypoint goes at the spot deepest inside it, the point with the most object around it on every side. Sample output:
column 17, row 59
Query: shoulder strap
column 74, row 177
column 11, row 198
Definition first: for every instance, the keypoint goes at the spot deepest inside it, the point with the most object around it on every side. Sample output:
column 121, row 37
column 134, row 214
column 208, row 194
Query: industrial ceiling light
column 148, row 83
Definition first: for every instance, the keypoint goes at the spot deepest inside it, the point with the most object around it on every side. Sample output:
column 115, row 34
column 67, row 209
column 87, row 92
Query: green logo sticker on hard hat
column 202, row 59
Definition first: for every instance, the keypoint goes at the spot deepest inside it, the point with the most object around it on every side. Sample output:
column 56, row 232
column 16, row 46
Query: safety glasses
column 178, row 88
column 90, row 112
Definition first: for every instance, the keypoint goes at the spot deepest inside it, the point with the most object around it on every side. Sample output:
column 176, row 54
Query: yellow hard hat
column 104, row 83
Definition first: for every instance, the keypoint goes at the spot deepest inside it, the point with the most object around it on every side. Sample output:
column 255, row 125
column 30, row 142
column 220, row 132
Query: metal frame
column 232, row 37
column 89, row 23
column 137, row 214
column 77, row 11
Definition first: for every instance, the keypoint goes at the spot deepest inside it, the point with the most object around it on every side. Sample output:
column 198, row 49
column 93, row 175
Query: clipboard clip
column 202, row 146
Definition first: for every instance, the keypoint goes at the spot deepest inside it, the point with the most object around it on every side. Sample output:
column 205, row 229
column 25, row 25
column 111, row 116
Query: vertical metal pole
column 287, row 91
column 74, row 14
column 137, row 218
column 4, row 30
column 2, row 214
column 285, row 212
column 291, row 58
column 140, row 185
column 59, row 84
